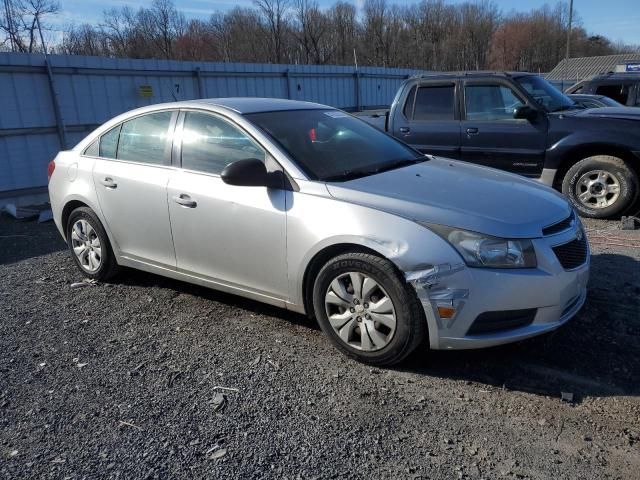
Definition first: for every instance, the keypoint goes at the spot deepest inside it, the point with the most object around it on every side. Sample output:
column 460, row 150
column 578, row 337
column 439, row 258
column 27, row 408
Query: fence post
column 288, row 79
column 56, row 105
column 198, row 76
column 357, row 80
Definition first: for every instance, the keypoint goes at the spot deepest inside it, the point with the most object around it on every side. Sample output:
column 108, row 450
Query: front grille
column 492, row 322
column 560, row 226
column 573, row 254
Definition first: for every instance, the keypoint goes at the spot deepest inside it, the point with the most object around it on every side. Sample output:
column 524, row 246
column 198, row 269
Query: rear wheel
column 601, row 186
column 89, row 245
column 366, row 308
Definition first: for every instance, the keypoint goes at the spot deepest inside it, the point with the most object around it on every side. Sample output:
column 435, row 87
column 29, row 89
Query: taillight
column 50, row 168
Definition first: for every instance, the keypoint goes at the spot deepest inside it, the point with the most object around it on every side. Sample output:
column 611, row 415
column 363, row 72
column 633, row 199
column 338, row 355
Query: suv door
column 429, row 120
column 130, row 177
column 491, row 135
column 231, row 235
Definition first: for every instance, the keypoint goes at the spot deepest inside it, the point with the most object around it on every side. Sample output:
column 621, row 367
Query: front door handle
column 185, row 200
column 472, row 131
column 109, row 183
column 405, row 130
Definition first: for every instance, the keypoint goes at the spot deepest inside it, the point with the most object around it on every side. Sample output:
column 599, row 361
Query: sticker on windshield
column 336, row 114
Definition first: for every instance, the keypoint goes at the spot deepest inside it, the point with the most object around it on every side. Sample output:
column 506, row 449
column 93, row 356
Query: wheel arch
column 580, row 152
column 69, row 207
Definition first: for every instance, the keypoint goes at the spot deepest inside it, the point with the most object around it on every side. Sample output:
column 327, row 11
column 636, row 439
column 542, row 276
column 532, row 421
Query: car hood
column 459, row 194
column 627, row 113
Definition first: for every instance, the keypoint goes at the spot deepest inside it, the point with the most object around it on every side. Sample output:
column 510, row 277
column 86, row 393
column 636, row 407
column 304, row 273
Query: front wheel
column 601, row 186
column 364, row 305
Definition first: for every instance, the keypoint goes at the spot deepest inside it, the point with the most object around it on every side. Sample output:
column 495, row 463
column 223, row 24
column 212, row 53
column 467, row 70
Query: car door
column 130, row 177
column 491, row 135
column 429, row 120
column 232, row 235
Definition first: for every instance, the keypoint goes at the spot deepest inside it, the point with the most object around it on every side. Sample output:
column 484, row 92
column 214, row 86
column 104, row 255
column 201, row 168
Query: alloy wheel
column 597, row 189
column 86, row 245
column 360, row 311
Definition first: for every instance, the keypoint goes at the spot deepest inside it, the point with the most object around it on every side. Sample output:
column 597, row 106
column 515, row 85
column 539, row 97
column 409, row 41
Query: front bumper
column 556, row 294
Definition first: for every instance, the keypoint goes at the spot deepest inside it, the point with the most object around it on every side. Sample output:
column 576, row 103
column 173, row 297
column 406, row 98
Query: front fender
column 315, row 223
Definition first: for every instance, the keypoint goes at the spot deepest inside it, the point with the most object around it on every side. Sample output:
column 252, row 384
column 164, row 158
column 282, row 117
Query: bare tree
column 20, row 20
column 275, row 14
column 312, row 31
column 430, row 34
column 343, row 32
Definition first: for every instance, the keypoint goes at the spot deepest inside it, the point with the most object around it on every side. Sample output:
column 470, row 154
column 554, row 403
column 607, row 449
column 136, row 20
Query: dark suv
column 624, row 88
column 520, row 123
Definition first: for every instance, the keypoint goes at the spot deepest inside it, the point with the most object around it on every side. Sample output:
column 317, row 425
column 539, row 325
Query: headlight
column 480, row 250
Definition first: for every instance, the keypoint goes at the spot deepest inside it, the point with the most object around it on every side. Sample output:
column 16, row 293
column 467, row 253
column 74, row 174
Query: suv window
column 210, row 143
column 145, row 139
column 434, row 103
column 617, row 91
column 490, row 102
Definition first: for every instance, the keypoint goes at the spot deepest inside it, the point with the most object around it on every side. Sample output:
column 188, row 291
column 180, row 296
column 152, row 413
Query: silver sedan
column 305, row 207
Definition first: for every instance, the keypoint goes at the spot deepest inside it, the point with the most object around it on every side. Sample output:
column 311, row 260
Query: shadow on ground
column 23, row 239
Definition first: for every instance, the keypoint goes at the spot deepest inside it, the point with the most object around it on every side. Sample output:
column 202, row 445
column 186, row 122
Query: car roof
column 244, row 105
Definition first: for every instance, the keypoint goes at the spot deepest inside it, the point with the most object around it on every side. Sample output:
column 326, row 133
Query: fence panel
column 91, row 90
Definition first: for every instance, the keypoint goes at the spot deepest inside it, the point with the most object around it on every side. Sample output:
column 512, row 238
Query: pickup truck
column 520, row 123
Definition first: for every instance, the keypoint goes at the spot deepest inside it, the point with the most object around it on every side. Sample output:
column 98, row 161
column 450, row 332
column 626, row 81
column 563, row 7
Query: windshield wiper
column 358, row 173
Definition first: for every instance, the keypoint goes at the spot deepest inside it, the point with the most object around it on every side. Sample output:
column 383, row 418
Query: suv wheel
column 364, row 305
column 89, row 245
column 600, row 186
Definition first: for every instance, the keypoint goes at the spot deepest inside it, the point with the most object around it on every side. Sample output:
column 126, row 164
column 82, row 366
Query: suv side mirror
column 249, row 172
column 526, row 112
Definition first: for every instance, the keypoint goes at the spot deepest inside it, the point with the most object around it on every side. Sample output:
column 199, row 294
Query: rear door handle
column 472, row 131
column 185, row 200
column 109, row 183
column 405, row 130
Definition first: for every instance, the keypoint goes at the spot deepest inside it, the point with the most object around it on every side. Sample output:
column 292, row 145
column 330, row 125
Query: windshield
column 331, row 145
column 545, row 94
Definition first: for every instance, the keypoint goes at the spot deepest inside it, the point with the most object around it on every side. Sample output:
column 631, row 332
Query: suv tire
column 601, row 186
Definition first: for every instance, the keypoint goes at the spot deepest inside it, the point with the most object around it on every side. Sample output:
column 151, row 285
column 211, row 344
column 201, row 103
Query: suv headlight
column 480, row 250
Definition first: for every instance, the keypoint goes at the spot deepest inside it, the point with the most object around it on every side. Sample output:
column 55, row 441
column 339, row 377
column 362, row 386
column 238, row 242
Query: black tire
column 411, row 324
column 626, row 177
column 108, row 266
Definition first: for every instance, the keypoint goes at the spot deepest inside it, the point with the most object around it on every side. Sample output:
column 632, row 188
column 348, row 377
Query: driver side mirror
column 249, row 172
column 525, row 112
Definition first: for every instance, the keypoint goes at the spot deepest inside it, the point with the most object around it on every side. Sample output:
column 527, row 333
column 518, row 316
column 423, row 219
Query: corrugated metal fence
column 48, row 105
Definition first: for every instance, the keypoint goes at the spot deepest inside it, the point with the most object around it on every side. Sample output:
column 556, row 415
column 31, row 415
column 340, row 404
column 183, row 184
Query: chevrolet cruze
column 305, row 207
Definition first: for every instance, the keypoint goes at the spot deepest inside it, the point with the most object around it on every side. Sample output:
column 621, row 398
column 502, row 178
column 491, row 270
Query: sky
column 616, row 19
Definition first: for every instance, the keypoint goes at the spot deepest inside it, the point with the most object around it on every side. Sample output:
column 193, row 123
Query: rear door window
column 618, row 91
column 145, row 139
column 435, row 102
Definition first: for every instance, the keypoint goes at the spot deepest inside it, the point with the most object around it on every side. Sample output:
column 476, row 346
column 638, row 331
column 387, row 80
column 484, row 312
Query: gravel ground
column 152, row 378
